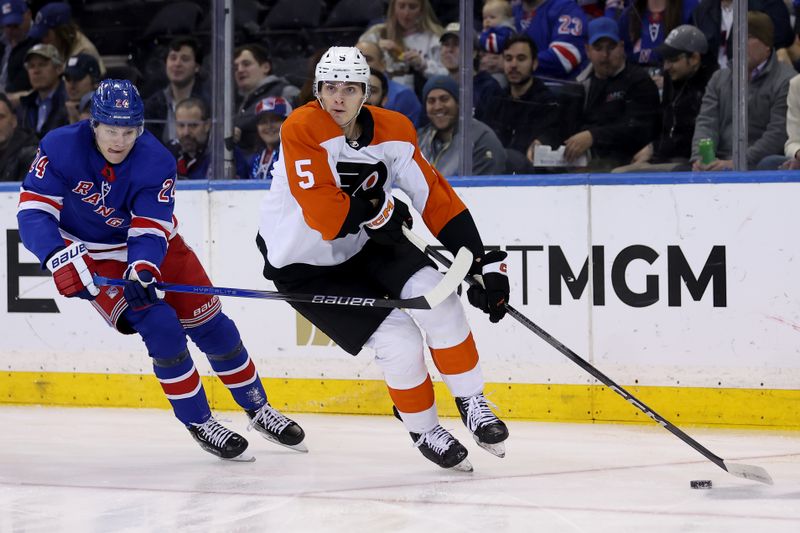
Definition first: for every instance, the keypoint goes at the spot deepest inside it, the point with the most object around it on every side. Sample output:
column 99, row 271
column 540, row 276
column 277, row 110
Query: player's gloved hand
column 491, row 293
column 72, row 271
column 141, row 291
column 386, row 227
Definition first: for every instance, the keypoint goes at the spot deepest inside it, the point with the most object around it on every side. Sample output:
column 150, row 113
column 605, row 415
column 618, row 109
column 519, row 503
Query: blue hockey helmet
column 117, row 102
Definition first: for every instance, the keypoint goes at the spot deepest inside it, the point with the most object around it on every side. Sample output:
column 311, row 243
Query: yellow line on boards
column 719, row 407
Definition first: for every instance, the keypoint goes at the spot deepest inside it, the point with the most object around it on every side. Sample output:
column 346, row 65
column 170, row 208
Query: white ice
column 110, row 470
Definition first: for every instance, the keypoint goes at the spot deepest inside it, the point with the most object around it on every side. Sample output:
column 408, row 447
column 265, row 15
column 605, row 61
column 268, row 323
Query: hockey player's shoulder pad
column 309, row 124
column 67, row 145
column 151, row 161
column 392, row 126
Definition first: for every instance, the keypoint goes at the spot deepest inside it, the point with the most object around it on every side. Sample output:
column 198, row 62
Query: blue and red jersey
column 122, row 212
column 558, row 27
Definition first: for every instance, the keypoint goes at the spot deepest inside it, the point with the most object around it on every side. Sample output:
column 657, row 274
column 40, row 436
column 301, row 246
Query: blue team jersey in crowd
column 653, row 33
column 558, row 27
column 122, row 212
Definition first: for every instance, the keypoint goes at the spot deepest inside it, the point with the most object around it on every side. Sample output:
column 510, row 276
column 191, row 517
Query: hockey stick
column 755, row 473
column 449, row 283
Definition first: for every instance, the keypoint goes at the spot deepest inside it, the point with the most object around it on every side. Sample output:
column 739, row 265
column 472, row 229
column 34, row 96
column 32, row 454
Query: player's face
column 442, row 109
column 115, row 142
column 408, row 13
column 181, row 65
column 8, row 122
column 269, row 128
column 191, row 129
column 341, row 100
column 449, row 52
column 248, row 72
column 518, row 64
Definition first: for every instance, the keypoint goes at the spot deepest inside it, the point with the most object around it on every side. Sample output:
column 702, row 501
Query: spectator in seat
column 557, row 27
column 527, row 111
column 81, row 76
column 15, row 17
column 17, row 145
column 484, row 86
column 498, row 27
column 622, row 107
column 399, row 98
column 440, row 140
column 44, row 108
column 790, row 160
column 54, row 25
column 409, row 40
column 190, row 148
column 270, row 114
column 378, row 88
column 182, row 66
column 684, row 85
column 715, row 20
column 766, row 103
column 85, row 107
column 254, row 82
column 645, row 24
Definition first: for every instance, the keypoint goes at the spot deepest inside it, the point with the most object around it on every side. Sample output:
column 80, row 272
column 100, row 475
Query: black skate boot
column 215, row 438
column 439, row 446
column 487, row 430
column 277, row 428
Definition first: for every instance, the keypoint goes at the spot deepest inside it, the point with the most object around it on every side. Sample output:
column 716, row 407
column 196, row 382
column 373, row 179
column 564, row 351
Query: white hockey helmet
column 342, row 64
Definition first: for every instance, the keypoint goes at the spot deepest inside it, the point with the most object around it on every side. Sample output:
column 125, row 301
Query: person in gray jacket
column 440, row 140
column 766, row 103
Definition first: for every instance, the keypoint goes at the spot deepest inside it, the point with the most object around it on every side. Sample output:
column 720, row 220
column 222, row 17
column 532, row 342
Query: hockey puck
column 700, row 484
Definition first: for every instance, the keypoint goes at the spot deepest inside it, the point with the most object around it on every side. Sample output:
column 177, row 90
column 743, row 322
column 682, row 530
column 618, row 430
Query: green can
column 706, row 149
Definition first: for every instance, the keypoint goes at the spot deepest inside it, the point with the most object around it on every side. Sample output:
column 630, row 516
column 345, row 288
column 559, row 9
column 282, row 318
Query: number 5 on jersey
column 307, row 177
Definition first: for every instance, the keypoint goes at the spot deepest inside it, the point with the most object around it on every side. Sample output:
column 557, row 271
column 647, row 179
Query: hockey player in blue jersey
column 99, row 198
column 558, row 27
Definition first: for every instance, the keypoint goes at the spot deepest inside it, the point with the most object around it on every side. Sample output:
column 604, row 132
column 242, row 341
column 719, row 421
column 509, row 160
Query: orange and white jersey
column 307, row 216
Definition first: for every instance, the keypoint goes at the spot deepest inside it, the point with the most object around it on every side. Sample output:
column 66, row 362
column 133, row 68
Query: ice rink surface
column 110, row 470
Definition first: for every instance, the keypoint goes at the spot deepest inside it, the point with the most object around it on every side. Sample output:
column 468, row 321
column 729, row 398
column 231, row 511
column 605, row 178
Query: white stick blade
column 452, row 278
column 754, row 473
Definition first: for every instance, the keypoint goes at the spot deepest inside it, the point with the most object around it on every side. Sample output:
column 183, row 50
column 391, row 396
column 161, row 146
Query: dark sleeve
column 461, row 231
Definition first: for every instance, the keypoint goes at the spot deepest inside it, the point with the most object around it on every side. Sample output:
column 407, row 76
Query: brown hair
column 672, row 17
column 428, row 22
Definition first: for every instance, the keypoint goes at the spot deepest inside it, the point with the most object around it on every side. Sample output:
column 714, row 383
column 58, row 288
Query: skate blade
column 497, row 449
column 463, row 466
column 299, row 447
column 244, row 457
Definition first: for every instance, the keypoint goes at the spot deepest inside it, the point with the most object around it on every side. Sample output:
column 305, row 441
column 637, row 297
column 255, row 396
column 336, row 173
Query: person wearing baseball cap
column 270, row 114
column 440, row 140
column 44, row 107
column 54, row 25
column 15, row 18
column 81, row 76
column 685, row 80
column 768, row 87
column 621, row 111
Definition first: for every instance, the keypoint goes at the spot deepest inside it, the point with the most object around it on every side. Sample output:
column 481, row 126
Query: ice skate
column 487, row 430
column 439, row 446
column 277, row 428
column 216, row 439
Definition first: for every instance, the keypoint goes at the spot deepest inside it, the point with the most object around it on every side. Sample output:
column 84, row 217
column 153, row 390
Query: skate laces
column 214, row 432
column 478, row 412
column 269, row 418
column 438, row 439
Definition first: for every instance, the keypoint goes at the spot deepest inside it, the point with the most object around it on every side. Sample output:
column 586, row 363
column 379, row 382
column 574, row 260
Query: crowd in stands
column 558, row 85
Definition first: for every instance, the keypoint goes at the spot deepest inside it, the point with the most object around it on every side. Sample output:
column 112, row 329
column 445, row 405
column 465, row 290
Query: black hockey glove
column 491, row 293
column 386, row 227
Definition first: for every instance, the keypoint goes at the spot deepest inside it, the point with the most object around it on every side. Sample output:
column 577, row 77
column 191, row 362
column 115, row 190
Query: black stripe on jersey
column 461, row 231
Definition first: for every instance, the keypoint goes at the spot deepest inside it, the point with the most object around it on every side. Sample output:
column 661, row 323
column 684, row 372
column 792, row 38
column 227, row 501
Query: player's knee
column 169, row 362
column 160, row 330
column 398, row 345
column 217, row 337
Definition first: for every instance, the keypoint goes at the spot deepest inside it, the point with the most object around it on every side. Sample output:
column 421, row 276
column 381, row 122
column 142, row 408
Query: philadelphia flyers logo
column 362, row 179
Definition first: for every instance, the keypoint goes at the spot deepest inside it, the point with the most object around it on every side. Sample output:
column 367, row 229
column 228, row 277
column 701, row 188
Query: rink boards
column 683, row 288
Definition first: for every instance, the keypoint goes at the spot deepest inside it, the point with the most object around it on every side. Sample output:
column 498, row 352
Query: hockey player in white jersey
column 330, row 224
